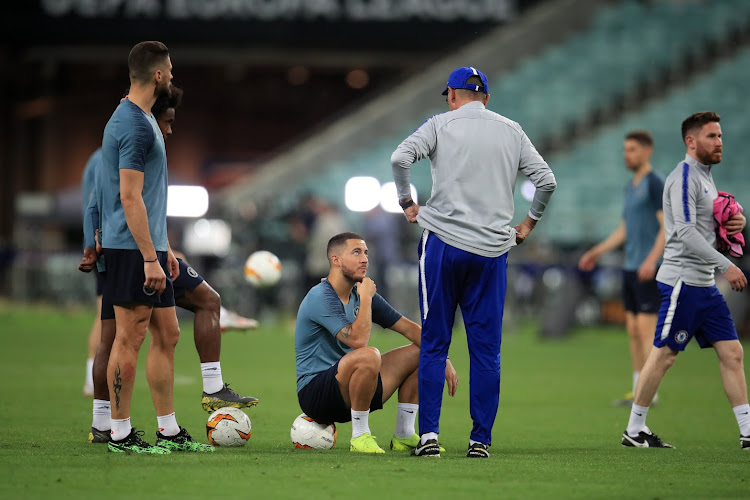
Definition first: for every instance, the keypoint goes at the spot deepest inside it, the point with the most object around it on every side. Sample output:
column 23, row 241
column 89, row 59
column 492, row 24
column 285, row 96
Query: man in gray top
column 475, row 157
column 691, row 304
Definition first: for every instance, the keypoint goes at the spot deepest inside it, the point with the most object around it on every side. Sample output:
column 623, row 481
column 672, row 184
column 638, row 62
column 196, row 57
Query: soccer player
column 87, row 188
column 642, row 231
column 475, row 156
column 191, row 291
column 133, row 184
column 691, row 304
column 340, row 377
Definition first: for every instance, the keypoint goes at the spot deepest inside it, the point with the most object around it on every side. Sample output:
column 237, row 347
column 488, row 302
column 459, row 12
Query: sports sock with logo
column 427, row 436
column 120, row 429
column 405, row 417
column 742, row 412
column 102, row 415
column 637, row 421
column 212, row 381
column 168, row 425
column 360, row 423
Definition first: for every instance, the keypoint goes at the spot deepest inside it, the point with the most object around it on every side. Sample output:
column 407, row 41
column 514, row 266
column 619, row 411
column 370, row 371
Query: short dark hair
column 642, row 137
column 473, row 94
column 338, row 241
column 698, row 120
column 144, row 58
column 164, row 102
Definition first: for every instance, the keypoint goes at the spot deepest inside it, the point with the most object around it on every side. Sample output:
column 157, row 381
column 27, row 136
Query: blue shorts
column 692, row 311
column 187, row 281
column 322, row 401
column 125, row 277
column 640, row 297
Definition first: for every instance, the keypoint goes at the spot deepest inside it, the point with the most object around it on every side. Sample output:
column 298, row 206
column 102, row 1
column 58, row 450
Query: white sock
column 360, row 423
column 212, row 381
column 102, row 415
column 427, row 436
column 168, row 425
column 120, row 429
column 405, row 417
column 742, row 412
column 90, row 372
column 635, row 380
column 637, row 421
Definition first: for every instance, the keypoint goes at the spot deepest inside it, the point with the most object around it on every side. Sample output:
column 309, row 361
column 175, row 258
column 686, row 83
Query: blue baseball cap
column 458, row 78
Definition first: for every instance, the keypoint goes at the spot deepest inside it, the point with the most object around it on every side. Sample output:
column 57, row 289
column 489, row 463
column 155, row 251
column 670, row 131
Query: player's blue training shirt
column 88, row 179
column 132, row 140
column 642, row 201
column 320, row 317
column 92, row 220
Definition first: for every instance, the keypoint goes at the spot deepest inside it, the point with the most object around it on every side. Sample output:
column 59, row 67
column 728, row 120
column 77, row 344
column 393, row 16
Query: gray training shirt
column 475, row 155
column 690, row 253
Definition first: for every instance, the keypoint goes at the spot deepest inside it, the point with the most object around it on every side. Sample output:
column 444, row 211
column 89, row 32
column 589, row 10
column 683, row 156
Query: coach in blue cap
column 460, row 79
column 475, row 156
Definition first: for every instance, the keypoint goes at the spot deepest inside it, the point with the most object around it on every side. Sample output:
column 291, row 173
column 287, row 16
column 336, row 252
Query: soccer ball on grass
column 307, row 433
column 228, row 427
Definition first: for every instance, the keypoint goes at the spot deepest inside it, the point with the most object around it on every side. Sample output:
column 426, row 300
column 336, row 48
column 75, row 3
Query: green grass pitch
column 556, row 435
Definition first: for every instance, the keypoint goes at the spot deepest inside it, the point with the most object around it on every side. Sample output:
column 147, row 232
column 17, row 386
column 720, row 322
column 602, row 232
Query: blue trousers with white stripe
column 450, row 277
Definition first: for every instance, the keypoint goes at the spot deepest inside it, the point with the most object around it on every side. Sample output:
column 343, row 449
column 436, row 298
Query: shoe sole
column 214, row 404
column 96, row 440
column 133, row 452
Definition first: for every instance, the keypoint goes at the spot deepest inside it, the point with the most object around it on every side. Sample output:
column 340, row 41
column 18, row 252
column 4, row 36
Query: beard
column 707, row 157
column 351, row 275
column 164, row 90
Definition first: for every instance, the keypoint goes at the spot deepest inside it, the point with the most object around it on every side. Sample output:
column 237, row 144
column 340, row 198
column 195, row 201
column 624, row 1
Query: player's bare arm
column 357, row 334
column 131, row 187
column 647, row 270
column 409, row 329
column 614, row 240
column 172, row 264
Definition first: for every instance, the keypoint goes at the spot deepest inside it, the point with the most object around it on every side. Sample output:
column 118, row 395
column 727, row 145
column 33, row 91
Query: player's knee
column 369, row 357
column 668, row 357
column 213, row 300
column 732, row 356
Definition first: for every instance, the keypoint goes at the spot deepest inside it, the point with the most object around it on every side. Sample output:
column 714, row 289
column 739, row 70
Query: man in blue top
column 339, row 376
column 642, row 232
column 191, row 292
column 87, row 188
column 133, row 174
column 691, row 304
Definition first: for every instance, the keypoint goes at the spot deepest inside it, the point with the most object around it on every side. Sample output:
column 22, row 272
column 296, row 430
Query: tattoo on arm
column 117, row 387
column 346, row 331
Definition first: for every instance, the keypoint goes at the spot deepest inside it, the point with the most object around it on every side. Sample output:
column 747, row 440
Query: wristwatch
column 406, row 203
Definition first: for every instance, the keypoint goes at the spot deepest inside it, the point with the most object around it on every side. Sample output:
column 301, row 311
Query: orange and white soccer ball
column 262, row 269
column 228, row 427
column 307, row 433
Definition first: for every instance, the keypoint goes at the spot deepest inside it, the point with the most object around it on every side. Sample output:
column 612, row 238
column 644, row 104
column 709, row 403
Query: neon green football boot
column 365, row 444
